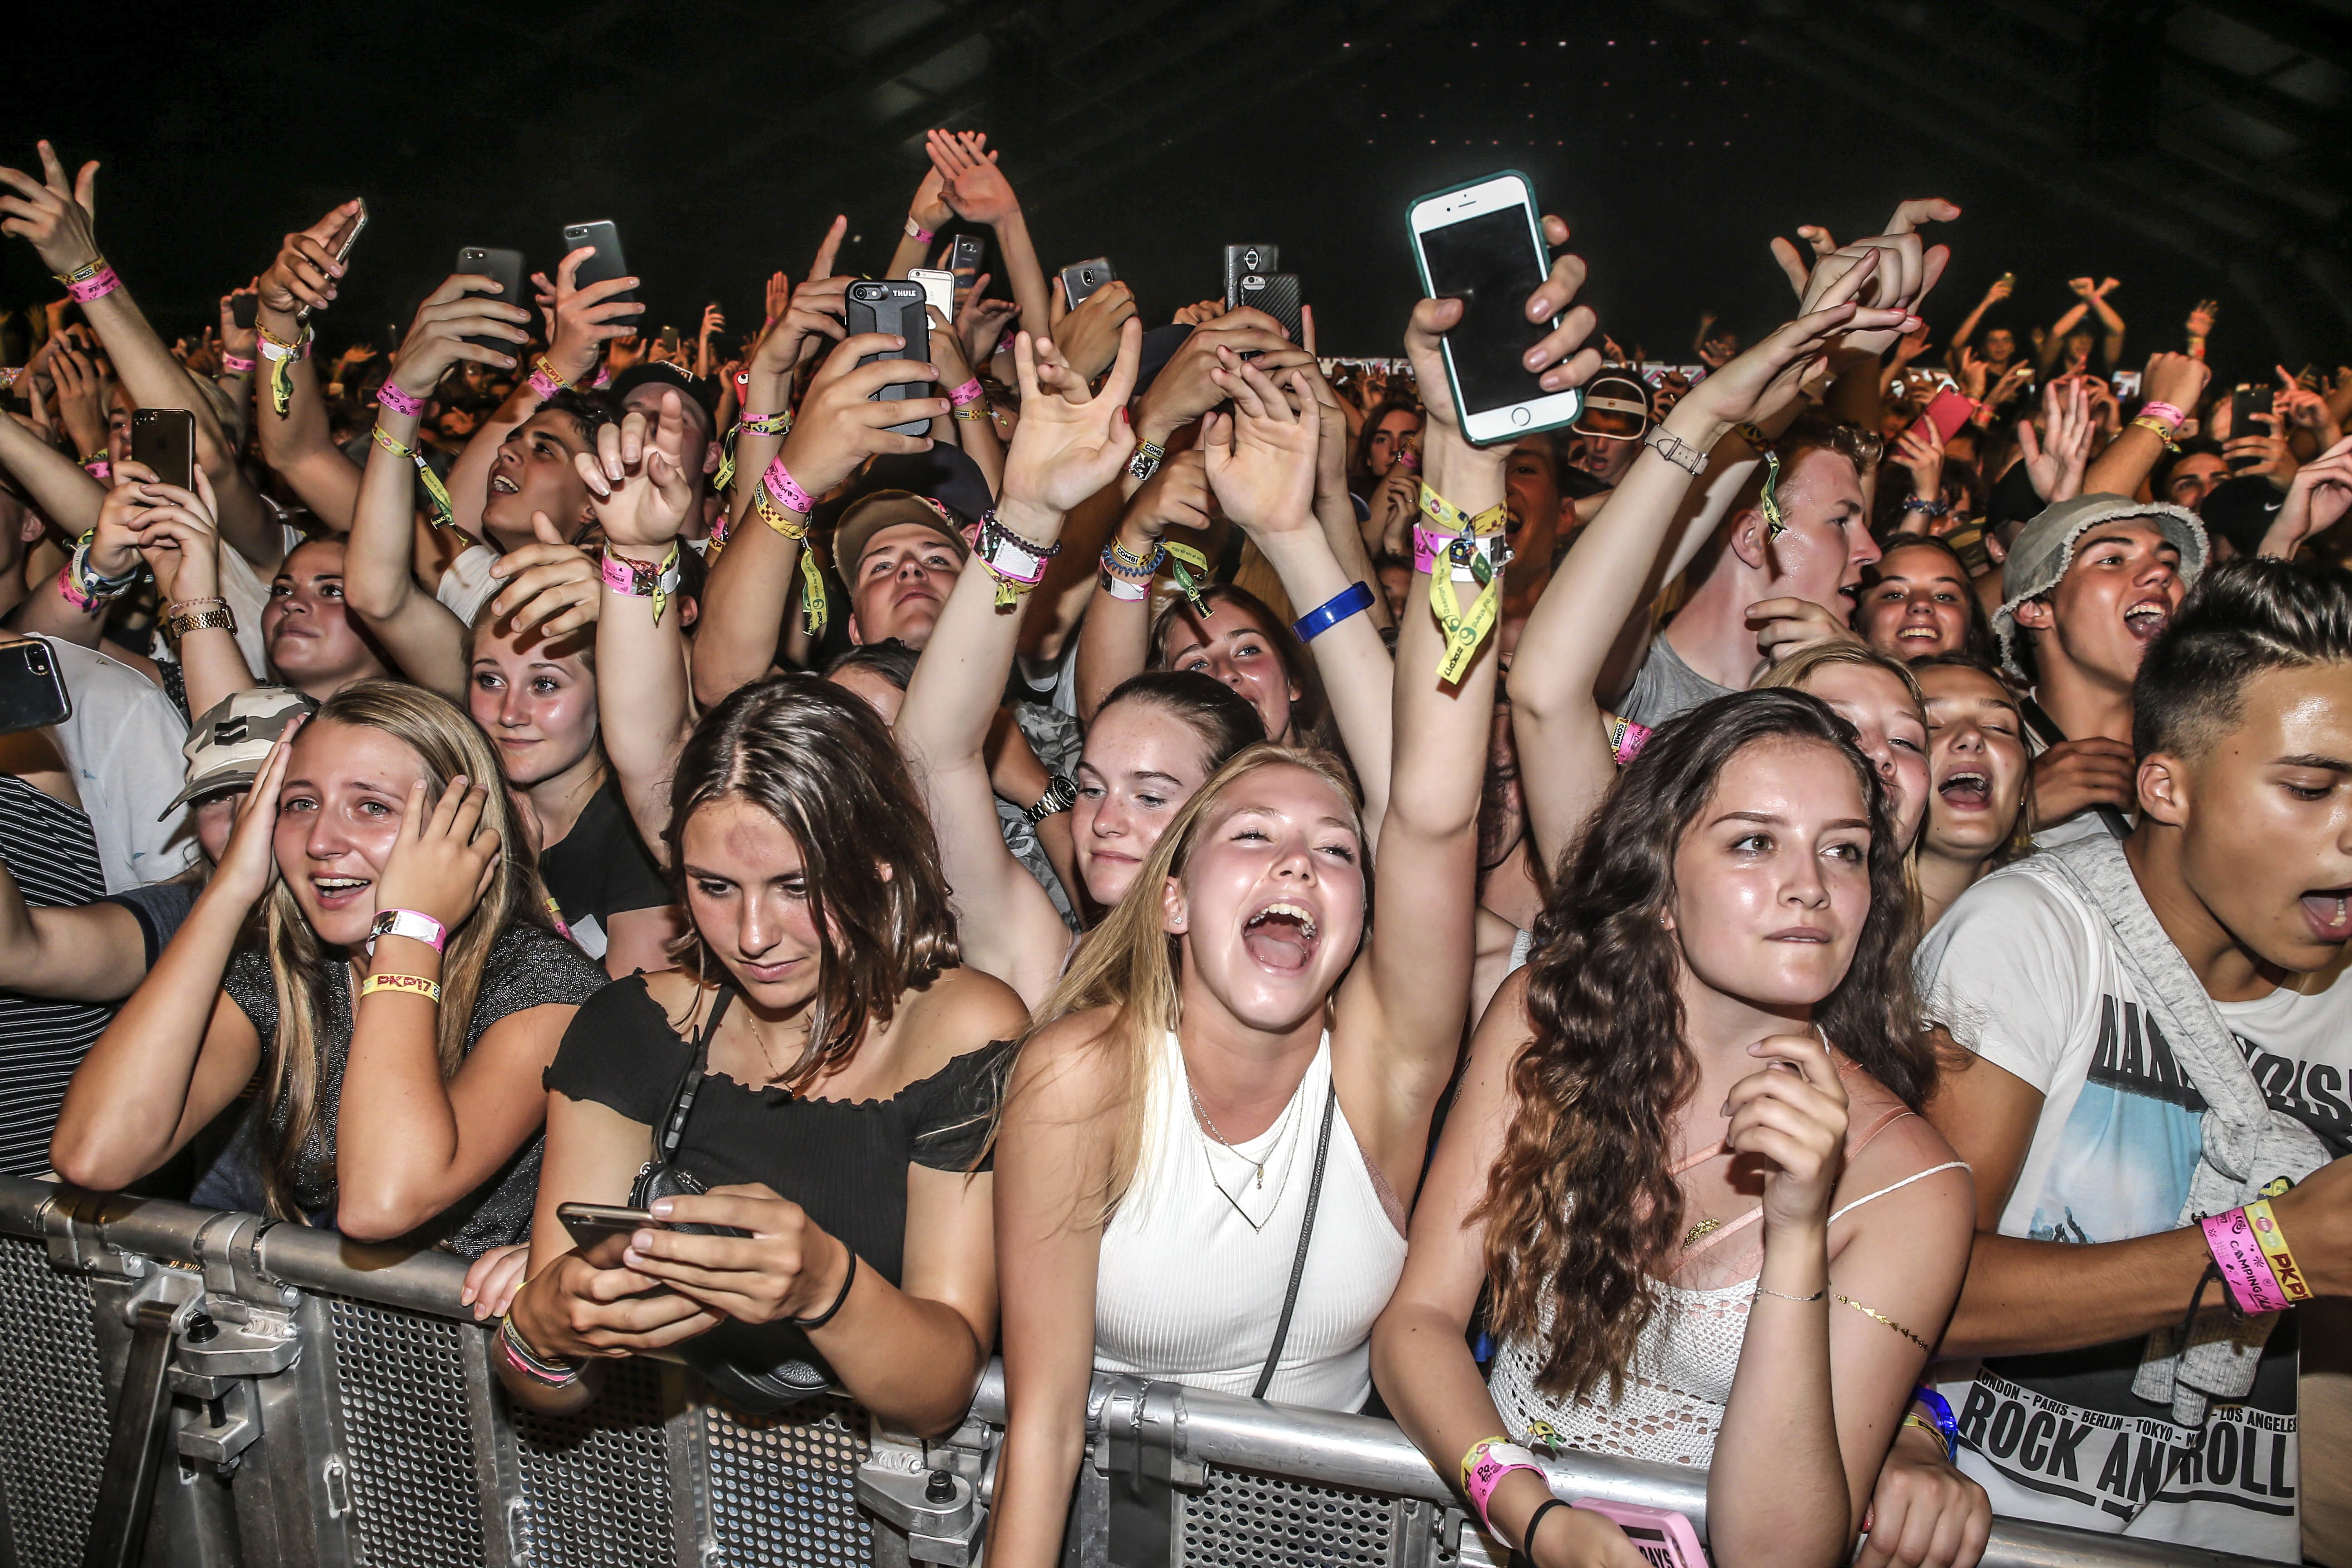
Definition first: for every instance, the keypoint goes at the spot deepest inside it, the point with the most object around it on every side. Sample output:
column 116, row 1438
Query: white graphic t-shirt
column 2026, row 975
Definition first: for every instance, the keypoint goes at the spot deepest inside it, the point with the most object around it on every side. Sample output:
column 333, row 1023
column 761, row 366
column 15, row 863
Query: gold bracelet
column 181, row 623
column 1882, row 1318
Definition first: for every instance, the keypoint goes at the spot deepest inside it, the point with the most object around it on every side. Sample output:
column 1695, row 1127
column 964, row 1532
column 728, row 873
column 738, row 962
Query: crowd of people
column 1852, row 1003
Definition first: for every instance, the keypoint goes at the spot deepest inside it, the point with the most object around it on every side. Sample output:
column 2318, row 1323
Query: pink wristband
column 101, row 469
column 787, row 494
column 604, row 375
column 2252, row 1285
column 2164, row 411
column 918, row 235
column 391, row 397
column 97, row 285
column 1487, row 1474
column 73, row 595
column 236, row 364
column 968, row 393
column 546, row 385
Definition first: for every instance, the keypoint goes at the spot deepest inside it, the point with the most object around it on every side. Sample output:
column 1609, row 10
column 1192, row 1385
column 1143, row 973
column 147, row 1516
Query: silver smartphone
column 938, row 290
column 1479, row 243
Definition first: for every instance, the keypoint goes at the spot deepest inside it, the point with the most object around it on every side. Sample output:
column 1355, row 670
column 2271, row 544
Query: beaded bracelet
column 1018, row 564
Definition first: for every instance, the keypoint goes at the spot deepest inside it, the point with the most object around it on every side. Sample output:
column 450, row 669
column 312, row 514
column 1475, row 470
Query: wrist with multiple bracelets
column 652, row 580
column 2251, row 1254
column 758, row 425
column 445, row 514
column 1468, row 549
column 86, row 591
column 93, row 279
column 1018, row 564
column 281, row 353
column 545, row 381
column 211, row 613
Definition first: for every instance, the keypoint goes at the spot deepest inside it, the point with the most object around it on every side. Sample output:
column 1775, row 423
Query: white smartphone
column 1479, row 243
column 938, row 290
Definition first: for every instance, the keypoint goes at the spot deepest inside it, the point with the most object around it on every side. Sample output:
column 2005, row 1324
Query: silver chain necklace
column 1201, row 1113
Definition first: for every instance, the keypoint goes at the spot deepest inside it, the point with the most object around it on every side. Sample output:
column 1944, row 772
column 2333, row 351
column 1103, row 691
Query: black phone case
column 1082, row 279
column 506, row 266
column 245, row 309
column 165, row 441
column 32, row 691
column 1277, row 296
column 606, row 264
column 895, row 305
column 1244, row 260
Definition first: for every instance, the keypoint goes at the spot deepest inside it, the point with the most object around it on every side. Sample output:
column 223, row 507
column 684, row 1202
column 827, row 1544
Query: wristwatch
column 1060, row 796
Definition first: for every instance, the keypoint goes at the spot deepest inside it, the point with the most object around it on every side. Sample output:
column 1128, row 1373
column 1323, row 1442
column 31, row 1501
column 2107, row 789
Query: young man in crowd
column 2087, row 585
column 2162, row 1031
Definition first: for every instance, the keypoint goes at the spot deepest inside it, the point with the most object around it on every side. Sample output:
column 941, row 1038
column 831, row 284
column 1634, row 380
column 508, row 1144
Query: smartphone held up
column 1480, row 243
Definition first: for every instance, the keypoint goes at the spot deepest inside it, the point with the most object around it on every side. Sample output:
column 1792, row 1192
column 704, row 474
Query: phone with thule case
column 1479, row 243
column 604, row 236
column 505, row 269
column 32, row 691
column 895, row 305
column 1277, row 294
column 1242, row 261
column 165, row 441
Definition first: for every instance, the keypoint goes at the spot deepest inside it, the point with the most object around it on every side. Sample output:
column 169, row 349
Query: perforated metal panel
column 596, row 1485
column 1242, row 1519
column 783, row 1487
column 408, row 1451
column 52, row 1408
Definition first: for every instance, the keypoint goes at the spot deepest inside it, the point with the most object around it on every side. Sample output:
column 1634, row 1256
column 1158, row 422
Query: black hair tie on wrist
column 1535, row 1521
column 809, row 1324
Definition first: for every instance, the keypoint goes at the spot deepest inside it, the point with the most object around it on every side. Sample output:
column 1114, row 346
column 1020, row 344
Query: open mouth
column 339, row 892
column 503, row 486
column 2329, row 910
column 2147, row 619
column 1920, row 633
column 1282, row 937
column 1966, row 792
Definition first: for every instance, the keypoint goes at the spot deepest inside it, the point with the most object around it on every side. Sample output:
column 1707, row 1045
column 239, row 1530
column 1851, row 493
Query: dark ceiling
column 2189, row 150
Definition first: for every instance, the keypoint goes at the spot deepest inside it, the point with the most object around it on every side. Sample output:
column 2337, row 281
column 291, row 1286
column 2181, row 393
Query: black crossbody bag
column 762, row 1390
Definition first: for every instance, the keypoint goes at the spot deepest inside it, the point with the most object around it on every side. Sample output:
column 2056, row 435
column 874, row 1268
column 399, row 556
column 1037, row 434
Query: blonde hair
column 449, row 744
column 1131, row 964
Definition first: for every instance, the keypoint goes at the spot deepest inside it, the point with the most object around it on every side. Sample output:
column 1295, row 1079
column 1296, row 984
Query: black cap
column 2242, row 511
column 702, row 389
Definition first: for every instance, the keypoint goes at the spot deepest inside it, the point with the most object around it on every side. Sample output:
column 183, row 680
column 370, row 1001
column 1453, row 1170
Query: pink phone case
column 1665, row 1540
column 1949, row 410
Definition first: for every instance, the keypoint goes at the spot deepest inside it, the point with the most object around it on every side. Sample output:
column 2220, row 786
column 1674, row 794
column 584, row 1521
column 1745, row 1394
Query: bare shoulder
column 1071, row 1066
column 1887, row 1143
column 960, row 1011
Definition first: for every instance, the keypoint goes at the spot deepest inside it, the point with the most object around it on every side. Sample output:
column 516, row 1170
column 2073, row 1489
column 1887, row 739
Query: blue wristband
column 1940, row 1409
column 1353, row 599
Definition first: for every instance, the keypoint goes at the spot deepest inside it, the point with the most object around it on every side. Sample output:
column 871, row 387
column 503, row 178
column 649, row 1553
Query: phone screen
column 1488, row 264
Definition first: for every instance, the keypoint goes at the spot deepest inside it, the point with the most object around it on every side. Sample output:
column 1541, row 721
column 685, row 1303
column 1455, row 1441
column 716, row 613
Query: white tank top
column 1196, row 1261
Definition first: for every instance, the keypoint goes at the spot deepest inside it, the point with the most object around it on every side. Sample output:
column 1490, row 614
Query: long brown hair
column 1582, row 1208
column 821, row 761
column 1310, row 710
column 449, row 744
column 1132, row 963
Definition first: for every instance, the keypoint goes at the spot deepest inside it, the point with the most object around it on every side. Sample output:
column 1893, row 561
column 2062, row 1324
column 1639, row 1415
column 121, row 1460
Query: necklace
column 1201, row 1115
column 1202, row 1112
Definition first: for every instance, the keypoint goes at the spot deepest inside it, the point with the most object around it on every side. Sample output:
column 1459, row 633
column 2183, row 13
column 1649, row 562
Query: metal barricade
column 196, row 1389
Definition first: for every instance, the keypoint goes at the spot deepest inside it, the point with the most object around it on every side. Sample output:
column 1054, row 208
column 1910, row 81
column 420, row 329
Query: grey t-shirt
column 1666, row 688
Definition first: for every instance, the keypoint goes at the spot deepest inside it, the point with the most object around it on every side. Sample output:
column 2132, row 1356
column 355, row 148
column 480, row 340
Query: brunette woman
column 1979, row 812
column 1918, row 601
column 816, row 1076
column 1225, row 1052
column 407, row 995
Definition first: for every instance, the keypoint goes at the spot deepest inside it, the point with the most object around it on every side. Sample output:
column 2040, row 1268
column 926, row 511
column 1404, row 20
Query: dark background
column 722, row 137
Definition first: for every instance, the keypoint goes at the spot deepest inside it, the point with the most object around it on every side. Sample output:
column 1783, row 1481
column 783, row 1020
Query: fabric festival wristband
column 414, row 924
column 543, row 382
column 2243, row 1268
column 99, row 468
column 1429, row 546
column 97, row 285
column 445, row 513
column 2272, row 1239
column 789, row 495
column 1353, row 599
column 236, row 364
column 1487, row 1472
column 643, row 579
column 1626, row 739
column 968, row 393
column 603, row 376
column 281, row 355
column 415, row 985
column 73, row 595
column 390, row 395
column 2160, row 429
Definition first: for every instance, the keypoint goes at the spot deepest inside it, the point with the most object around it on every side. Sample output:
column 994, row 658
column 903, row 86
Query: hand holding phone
column 165, row 441
column 589, row 1224
column 503, row 267
column 603, row 237
column 895, row 305
column 1481, row 253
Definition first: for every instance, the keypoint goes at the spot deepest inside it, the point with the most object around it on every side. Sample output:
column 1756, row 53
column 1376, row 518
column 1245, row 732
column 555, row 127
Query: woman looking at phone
column 835, row 1051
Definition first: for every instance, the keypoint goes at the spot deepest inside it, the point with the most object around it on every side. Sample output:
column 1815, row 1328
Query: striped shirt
column 51, row 849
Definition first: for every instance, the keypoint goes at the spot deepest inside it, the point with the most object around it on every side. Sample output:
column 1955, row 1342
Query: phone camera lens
column 38, row 661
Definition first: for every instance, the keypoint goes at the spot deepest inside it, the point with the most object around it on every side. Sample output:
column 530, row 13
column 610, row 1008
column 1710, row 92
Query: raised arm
column 295, row 440
column 380, row 582
column 2128, row 459
column 979, row 193
column 62, row 490
column 179, row 1051
column 2113, row 344
column 1063, row 453
column 1262, row 463
column 2002, row 286
column 927, row 214
column 641, row 483
column 181, row 545
column 56, row 217
column 1114, row 640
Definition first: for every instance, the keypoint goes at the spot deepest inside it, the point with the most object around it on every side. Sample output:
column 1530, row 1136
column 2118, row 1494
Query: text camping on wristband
column 1480, row 243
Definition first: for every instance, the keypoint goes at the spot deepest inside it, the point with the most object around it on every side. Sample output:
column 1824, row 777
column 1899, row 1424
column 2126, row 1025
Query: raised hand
column 1921, row 451
column 1761, row 381
column 1088, row 337
column 234, row 338
column 2083, row 288
column 55, row 217
column 305, row 274
column 1178, row 496
column 2315, row 502
column 248, row 864
column 1798, row 1121
column 838, row 427
column 779, row 296
column 639, row 482
column 81, row 401
column 929, row 210
column 2263, row 452
column 551, row 584
column 443, row 861
column 582, row 320
column 980, row 323
column 2201, row 318
column 177, row 533
column 974, row 188
column 811, row 314
column 2055, row 457
column 1261, row 457
column 1064, row 450
column 461, row 307
column 1908, row 270
column 2002, row 288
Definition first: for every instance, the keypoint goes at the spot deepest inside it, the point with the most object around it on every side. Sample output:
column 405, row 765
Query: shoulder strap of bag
column 672, row 1129
column 2045, row 730
column 1305, row 1232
